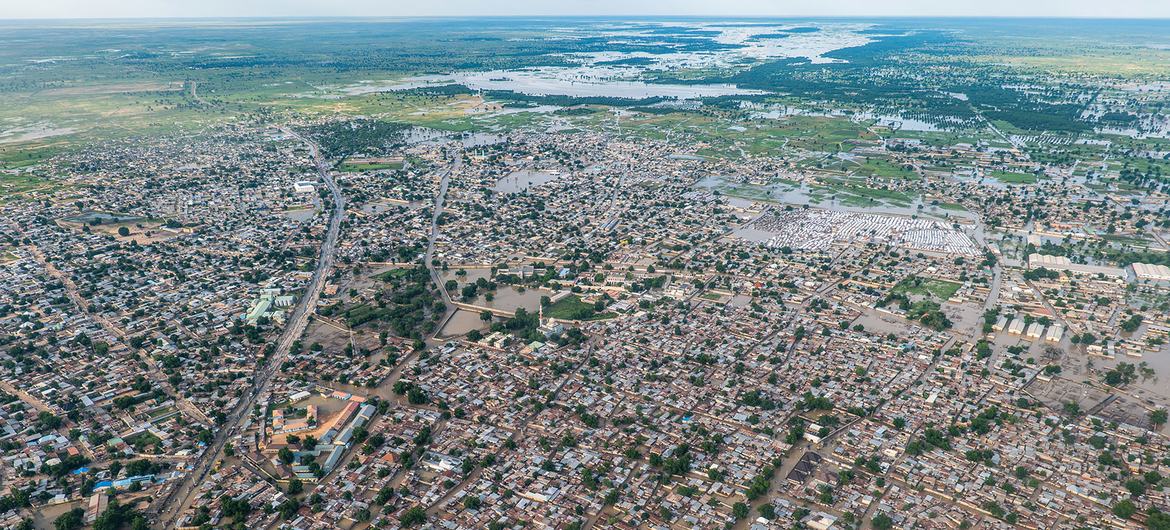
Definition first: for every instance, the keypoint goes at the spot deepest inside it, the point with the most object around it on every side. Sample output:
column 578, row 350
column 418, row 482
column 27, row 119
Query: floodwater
column 388, row 206
column 754, row 235
column 481, row 139
column 786, row 111
column 420, row 135
column 597, row 76
column 1134, row 133
column 461, row 323
column 470, row 276
column 539, row 109
column 603, row 73
column 899, row 122
column 506, row 297
column 737, row 202
column 803, row 194
column 34, row 132
column 509, row 298
column 428, row 136
column 985, row 180
column 892, row 121
column 520, row 181
column 780, row 192
column 1159, row 361
column 559, row 81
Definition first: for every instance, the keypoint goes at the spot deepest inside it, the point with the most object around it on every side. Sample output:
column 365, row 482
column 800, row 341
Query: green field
column 1127, row 239
column 572, row 308
column 914, row 285
column 883, row 168
column 855, row 192
column 21, row 187
column 15, row 184
column 1009, row 177
column 351, row 167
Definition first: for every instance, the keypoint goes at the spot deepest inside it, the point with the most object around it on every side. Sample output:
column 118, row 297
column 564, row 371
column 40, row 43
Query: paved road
column 170, row 506
column 430, row 254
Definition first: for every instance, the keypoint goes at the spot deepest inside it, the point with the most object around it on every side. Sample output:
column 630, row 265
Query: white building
column 1150, row 273
column 1055, row 333
column 1061, row 263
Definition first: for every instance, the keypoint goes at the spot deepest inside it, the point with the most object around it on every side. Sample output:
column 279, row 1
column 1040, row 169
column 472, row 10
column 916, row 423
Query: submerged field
column 817, row 90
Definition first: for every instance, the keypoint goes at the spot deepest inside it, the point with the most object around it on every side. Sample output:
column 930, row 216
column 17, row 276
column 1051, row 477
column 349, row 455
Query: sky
column 382, row 8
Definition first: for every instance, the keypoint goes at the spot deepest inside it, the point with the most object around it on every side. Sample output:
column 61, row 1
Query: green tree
column 1124, row 509
column 413, row 516
column 1157, row 520
column 70, row 520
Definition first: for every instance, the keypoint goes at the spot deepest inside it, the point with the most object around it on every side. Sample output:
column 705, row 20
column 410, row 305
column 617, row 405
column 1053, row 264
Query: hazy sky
column 252, row 8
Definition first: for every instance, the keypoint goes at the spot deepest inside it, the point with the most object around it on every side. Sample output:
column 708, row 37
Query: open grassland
column 25, row 154
column 856, row 192
column 27, row 187
column 884, row 168
column 36, row 126
column 368, row 166
column 927, row 287
column 1134, row 61
column 1011, row 177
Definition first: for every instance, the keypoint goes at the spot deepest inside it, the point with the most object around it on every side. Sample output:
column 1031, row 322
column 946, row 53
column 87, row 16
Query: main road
column 434, row 234
column 170, row 506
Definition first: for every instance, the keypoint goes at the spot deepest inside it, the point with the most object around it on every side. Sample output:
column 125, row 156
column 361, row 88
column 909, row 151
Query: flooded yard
column 461, row 323
column 509, row 299
column 520, row 181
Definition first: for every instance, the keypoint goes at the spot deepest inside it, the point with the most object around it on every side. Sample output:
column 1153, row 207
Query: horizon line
column 580, row 16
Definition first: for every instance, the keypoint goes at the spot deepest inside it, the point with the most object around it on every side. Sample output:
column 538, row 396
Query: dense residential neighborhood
column 435, row 303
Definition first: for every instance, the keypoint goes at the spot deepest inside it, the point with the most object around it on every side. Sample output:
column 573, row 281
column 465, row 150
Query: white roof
column 1151, row 271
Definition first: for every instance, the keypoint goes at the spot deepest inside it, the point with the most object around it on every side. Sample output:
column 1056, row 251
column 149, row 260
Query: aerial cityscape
column 611, row 272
